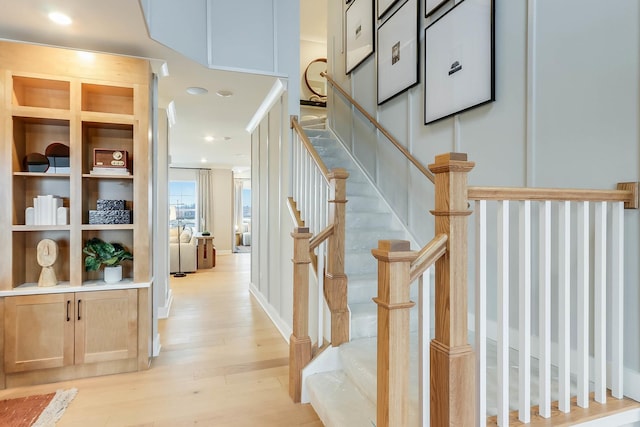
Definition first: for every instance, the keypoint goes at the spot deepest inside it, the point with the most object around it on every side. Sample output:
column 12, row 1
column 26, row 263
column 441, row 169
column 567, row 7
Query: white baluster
column 524, row 371
column 481, row 310
column 582, row 250
column 564, row 291
column 600, row 301
column 503, row 313
column 545, row 310
column 617, row 299
column 320, row 296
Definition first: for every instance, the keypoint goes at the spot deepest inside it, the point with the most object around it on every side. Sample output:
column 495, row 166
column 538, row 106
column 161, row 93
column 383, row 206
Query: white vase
column 113, row 274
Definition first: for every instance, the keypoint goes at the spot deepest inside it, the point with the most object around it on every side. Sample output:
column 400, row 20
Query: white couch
column 188, row 251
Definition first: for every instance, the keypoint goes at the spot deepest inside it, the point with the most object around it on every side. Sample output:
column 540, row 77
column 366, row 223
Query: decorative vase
column 113, row 274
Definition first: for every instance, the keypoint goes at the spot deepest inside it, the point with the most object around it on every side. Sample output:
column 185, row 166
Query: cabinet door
column 38, row 332
column 106, row 325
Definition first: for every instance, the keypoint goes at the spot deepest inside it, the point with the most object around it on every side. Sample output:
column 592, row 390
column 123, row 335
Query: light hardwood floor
column 222, row 363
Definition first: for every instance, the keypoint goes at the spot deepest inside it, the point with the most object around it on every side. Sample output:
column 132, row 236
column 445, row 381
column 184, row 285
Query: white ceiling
column 118, row 26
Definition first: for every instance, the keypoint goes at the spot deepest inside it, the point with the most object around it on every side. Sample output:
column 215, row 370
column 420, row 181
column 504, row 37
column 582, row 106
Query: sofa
column 188, row 251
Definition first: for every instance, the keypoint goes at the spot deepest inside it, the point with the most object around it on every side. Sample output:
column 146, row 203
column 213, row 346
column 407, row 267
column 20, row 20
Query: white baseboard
column 156, row 345
column 163, row 312
column 284, row 329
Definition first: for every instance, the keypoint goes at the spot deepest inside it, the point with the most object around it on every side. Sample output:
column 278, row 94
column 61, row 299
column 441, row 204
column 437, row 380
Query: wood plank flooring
column 222, row 363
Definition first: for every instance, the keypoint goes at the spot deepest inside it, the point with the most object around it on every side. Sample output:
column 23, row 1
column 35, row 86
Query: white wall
column 566, row 115
column 271, row 250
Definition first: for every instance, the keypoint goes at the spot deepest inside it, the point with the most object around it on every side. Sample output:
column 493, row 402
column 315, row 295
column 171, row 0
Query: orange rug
column 44, row 409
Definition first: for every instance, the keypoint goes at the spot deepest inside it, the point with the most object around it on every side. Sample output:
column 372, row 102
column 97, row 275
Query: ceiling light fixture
column 224, row 93
column 209, row 138
column 203, row 160
column 60, row 18
column 196, row 90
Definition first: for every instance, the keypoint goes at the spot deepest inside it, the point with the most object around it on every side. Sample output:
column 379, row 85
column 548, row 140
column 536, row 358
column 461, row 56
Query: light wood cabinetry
column 86, row 101
column 38, row 332
column 56, row 330
column 106, row 326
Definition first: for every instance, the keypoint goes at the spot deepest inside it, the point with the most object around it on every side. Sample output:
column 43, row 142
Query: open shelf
column 41, row 93
column 107, row 99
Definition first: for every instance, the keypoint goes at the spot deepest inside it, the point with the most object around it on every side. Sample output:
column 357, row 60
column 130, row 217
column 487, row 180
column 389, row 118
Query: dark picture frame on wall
column 459, row 60
column 384, row 6
column 430, row 6
column 359, row 36
column 398, row 52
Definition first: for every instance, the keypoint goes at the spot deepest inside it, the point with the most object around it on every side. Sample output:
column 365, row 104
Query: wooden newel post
column 394, row 263
column 299, row 343
column 452, row 359
column 335, row 285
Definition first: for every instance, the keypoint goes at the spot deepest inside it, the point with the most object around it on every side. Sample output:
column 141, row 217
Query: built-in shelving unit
column 86, row 102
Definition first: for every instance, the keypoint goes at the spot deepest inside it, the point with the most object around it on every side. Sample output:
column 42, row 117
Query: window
column 182, row 196
column 246, row 203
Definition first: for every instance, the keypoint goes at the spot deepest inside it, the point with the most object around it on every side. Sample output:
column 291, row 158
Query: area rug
column 35, row 411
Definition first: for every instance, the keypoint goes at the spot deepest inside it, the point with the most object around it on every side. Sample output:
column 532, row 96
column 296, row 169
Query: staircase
column 347, row 397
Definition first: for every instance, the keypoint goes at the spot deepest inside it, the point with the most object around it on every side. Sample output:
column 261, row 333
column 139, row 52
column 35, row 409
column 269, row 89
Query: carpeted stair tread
column 338, row 402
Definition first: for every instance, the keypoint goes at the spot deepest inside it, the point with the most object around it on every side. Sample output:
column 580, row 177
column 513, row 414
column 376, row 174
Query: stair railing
column 595, row 218
column 380, row 128
column 457, row 374
column 318, row 206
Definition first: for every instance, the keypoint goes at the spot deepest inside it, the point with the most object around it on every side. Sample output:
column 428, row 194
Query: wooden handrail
column 382, row 130
column 321, row 237
column 551, row 194
column 310, row 148
column 428, row 256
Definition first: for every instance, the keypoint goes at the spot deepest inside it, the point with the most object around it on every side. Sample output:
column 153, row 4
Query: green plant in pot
column 110, row 255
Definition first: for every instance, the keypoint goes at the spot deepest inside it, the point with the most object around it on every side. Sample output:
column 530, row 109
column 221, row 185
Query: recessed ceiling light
column 224, row 93
column 60, row 18
column 196, row 90
column 209, row 138
column 203, row 160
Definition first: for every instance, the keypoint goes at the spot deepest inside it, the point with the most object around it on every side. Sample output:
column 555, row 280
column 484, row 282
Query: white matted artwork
column 384, row 6
column 358, row 33
column 398, row 52
column 431, row 6
column 459, row 60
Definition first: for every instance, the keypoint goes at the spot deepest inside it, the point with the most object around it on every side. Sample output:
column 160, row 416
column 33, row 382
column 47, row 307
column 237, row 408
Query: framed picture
column 398, row 52
column 431, row 6
column 358, row 33
column 384, row 6
column 459, row 60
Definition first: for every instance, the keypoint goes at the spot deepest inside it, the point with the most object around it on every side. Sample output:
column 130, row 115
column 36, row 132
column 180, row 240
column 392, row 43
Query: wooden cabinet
column 57, row 330
column 84, row 101
column 38, row 332
column 106, row 325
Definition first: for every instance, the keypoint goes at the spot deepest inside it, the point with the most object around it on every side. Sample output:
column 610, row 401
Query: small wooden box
column 108, row 158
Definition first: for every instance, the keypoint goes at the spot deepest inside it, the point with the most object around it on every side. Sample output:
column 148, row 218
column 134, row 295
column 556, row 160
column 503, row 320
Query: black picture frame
column 431, row 6
column 384, row 6
column 359, row 35
column 459, row 60
column 398, row 58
